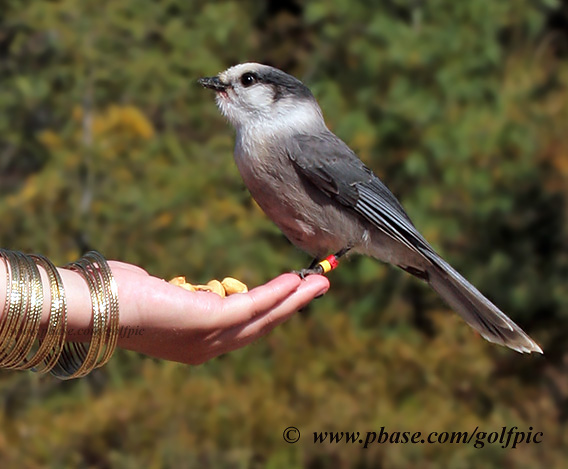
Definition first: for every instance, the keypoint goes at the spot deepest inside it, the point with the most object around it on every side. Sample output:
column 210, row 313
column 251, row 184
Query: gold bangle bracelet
column 108, row 301
column 76, row 359
column 50, row 348
column 21, row 344
column 74, row 353
column 30, row 313
column 24, row 303
column 13, row 302
column 111, row 302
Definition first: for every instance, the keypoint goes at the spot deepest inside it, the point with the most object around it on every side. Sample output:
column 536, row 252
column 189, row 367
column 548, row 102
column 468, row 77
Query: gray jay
column 326, row 201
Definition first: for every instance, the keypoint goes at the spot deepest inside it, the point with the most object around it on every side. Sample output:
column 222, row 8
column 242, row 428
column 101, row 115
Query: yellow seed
column 228, row 286
column 187, row 286
column 216, row 287
column 232, row 285
column 178, row 281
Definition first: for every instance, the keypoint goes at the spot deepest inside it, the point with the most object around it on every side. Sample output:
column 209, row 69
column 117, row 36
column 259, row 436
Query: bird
column 326, row 201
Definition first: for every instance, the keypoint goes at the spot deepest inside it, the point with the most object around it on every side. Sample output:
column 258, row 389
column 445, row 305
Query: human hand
column 168, row 322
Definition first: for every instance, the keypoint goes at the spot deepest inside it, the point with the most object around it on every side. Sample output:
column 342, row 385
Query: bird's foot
column 322, row 267
column 317, row 270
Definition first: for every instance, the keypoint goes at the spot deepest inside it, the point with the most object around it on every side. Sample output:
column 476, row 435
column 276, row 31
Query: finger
column 261, row 324
column 240, row 308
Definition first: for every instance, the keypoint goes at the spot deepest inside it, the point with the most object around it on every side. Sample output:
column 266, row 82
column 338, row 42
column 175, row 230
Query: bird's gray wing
column 332, row 167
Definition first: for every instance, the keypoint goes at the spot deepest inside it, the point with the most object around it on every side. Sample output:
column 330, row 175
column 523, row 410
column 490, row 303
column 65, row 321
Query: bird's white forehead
column 236, row 71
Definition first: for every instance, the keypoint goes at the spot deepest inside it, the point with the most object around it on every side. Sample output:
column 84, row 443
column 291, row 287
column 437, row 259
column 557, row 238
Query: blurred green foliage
column 107, row 142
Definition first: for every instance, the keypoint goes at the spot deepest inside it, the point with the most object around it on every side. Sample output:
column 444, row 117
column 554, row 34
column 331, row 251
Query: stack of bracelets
column 23, row 346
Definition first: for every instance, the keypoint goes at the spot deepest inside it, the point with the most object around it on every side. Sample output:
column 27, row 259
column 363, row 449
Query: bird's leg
column 315, row 262
column 324, row 266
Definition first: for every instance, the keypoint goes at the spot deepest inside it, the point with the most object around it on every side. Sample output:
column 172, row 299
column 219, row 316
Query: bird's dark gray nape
column 284, row 85
column 212, row 83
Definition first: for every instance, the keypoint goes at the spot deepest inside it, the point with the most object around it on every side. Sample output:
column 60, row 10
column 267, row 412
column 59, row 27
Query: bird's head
column 253, row 95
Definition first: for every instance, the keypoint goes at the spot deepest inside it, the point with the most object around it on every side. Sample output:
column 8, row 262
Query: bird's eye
column 248, row 79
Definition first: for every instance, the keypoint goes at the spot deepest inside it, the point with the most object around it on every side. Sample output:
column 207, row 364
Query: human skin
column 165, row 321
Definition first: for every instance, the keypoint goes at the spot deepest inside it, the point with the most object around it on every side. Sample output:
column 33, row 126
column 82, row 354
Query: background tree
column 107, row 142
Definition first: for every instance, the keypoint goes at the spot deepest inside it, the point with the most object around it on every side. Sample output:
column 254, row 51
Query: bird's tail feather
column 477, row 310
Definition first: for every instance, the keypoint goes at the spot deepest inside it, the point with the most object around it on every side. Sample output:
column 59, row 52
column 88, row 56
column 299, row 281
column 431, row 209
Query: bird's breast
column 274, row 183
column 306, row 216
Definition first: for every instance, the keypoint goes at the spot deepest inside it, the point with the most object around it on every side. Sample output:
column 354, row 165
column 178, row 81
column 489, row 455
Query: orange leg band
column 329, row 263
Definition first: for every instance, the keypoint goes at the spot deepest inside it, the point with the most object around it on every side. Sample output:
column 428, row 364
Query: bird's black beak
column 212, row 83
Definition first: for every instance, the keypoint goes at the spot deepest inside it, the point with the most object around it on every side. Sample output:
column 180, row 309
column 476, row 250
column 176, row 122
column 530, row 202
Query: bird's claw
column 317, row 270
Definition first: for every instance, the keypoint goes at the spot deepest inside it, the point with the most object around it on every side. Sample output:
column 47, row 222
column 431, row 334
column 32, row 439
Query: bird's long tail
column 475, row 309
